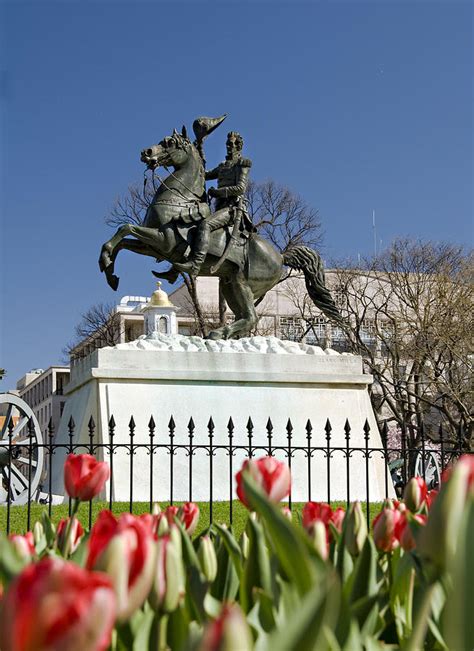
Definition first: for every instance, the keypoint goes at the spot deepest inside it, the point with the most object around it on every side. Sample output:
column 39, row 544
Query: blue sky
column 356, row 106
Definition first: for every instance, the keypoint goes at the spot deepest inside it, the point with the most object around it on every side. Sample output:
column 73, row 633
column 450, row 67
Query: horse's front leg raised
column 108, row 254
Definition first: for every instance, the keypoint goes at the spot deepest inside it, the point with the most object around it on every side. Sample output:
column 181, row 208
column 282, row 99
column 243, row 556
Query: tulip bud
column 273, row 477
column 54, row 604
column 385, row 529
column 69, row 535
column 415, row 493
column 24, row 545
column 229, row 632
column 156, row 510
column 356, row 529
column 168, row 584
column 207, row 557
column 162, row 527
column 287, row 513
column 244, row 544
column 171, row 512
column 38, row 532
column 318, row 533
column 84, row 476
column 123, row 548
column 337, row 518
column 188, row 514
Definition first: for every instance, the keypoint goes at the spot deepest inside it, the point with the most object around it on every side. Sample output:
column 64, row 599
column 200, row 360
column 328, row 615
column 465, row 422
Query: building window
column 61, row 407
column 339, row 295
column 291, row 328
column 316, row 334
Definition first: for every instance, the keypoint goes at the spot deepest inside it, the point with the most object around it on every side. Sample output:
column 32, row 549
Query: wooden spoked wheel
column 21, row 451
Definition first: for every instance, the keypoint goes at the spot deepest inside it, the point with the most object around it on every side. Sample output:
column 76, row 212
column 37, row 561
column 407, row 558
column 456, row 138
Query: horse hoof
column 214, row 335
column 113, row 281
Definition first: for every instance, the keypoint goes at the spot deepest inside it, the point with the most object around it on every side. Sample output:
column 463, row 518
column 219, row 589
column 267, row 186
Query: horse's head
column 172, row 151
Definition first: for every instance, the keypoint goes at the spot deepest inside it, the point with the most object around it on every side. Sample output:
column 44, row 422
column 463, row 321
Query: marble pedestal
column 260, row 378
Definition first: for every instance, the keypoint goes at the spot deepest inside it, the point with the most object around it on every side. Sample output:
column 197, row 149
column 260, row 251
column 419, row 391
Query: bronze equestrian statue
column 180, row 228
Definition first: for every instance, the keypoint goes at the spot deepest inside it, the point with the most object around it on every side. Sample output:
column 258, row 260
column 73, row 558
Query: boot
column 198, row 255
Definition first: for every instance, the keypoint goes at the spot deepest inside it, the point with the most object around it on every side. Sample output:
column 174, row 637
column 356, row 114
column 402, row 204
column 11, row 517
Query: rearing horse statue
column 252, row 266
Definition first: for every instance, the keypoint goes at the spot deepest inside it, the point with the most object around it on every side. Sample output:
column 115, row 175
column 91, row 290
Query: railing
column 20, row 456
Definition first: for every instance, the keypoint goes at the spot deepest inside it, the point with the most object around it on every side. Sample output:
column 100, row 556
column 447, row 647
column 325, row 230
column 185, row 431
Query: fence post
column 210, row 427
column 367, row 497
column 347, row 434
column 309, row 429
column 386, row 454
column 327, row 429
column 269, row 437
column 230, row 429
column 131, row 426
column 91, row 427
column 191, row 428
column 111, row 461
column 71, row 427
column 250, row 434
column 151, row 430
column 50, row 464
column 441, row 441
column 289, row 434
column 171, row 428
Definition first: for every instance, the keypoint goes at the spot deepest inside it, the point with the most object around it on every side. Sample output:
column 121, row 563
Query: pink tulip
column 84, row 476
column 124, row 548
column 271, row 475
column 55, row 604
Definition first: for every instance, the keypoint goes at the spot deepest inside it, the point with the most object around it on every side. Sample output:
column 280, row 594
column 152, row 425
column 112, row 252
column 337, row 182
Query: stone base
column 260, row 378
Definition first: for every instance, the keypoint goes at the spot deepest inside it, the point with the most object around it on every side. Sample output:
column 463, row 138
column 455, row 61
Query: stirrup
column 187, row 267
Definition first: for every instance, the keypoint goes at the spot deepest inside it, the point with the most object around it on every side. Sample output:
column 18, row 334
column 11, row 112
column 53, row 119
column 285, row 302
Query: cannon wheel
column 432, row 472
column 26, row 464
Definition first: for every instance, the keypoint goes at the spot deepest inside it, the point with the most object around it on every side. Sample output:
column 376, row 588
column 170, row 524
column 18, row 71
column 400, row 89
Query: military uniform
column 232, row 178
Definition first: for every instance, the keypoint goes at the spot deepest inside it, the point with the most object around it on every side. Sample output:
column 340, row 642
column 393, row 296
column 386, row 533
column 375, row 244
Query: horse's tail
column 309, row 262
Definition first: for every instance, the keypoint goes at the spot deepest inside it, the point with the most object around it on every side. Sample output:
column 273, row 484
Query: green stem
column 417, row 638
column 163, row 627
column 67, row 542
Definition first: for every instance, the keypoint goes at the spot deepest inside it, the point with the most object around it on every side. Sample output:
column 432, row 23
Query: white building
column 43, row 391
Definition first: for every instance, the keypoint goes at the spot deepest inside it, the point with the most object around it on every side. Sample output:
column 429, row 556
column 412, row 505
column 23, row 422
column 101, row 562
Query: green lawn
column 18, row 514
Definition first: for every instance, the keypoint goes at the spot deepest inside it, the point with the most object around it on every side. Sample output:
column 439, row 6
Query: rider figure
column 232, row 178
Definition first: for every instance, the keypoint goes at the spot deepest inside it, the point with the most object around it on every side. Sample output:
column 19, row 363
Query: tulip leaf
column 79, row 556
column 232, row 547
column 178, row 625
column 48, row 528
column 317, row 613
column 226, row 583
column 289, row 543
column 460, row 619
column 363, row 581
column 190, row 557
column 257, row 569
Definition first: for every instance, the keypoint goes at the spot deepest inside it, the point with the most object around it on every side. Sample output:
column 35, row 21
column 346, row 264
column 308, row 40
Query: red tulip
column 75, row 534
column 405, row 532
column 125, row 549
column 84, row 476
column 24, row 545
column 386, row 527
column 169, row 579
column 271, row 475
column 415, row 493
column 314, row 511
column 54, row 604
column 188, row 514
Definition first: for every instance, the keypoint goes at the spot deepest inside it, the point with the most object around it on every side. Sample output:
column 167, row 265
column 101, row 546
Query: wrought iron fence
column 20, row 455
